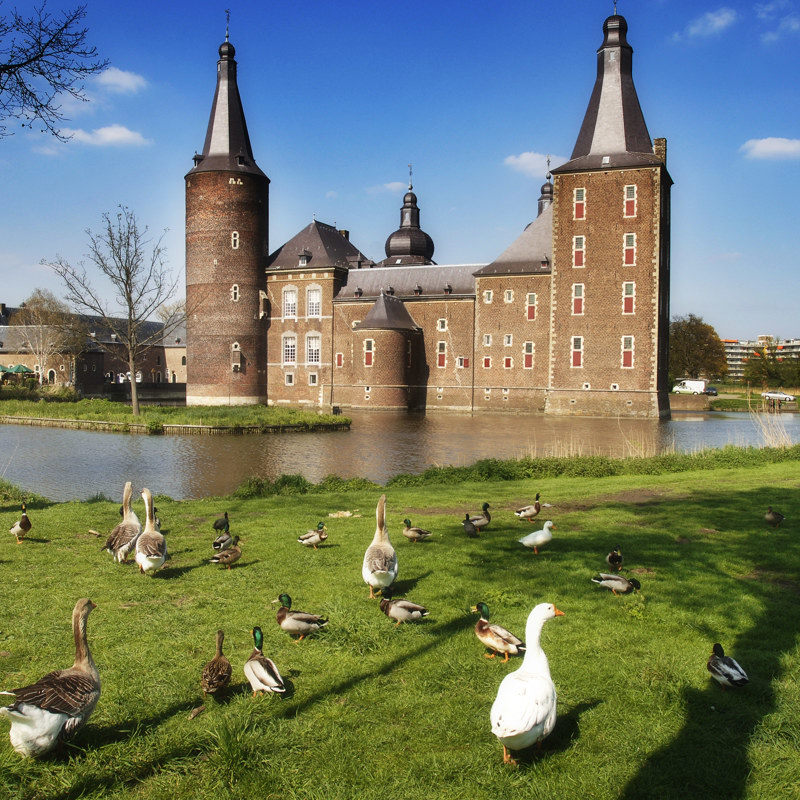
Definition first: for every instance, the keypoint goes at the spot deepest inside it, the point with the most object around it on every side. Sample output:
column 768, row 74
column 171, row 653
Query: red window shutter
column 577, row 305
column 442, row 359
column 627, row 306
column 579, row 258
column 576, row 358
column 630, row 208
column 508, row 362
column 579, row 210
column 368, row 358
column 629, row 252
column 531, row 312
column 339, row 359
column 487, row 362
column 528, row 360
column 627, row 358
column 466, row 363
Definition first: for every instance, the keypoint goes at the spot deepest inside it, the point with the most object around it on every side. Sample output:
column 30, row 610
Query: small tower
column 227, row 217
column 409, row 244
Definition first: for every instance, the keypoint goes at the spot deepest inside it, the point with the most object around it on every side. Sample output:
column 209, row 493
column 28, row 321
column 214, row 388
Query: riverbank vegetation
column 374, row 711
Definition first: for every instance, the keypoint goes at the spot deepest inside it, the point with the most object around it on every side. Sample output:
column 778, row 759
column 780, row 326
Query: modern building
column 738, row 351
column 572, row 318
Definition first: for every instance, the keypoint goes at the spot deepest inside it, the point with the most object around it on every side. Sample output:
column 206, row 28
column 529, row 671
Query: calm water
column 75, row 465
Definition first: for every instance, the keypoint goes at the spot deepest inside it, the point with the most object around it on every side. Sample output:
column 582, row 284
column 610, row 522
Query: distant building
column 738, row 351
column 572, row 318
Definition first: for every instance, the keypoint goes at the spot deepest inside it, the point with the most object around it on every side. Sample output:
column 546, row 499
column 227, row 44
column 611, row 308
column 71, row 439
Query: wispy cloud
column 332, row 194
column 710, row 24
column 788, row 25
column 534, row 164
column 395, row 187
column 108, row 136
column 773, row 147
column 119, row 81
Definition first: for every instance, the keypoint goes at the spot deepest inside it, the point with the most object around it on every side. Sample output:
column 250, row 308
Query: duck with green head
column 314, row 537
column 414, row 534
column 497, row 638
column 297, row 622
column 483, row 519
column 260, row 670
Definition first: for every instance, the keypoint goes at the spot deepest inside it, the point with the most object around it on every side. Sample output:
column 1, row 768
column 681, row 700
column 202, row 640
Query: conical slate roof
column 318, row 245
column 388, row 313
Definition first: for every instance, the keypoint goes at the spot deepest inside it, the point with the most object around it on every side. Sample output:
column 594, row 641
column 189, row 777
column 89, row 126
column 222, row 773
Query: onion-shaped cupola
column 546, row 197
column 409, row 244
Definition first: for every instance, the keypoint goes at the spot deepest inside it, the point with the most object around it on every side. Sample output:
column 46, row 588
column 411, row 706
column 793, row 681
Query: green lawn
column 375, row 711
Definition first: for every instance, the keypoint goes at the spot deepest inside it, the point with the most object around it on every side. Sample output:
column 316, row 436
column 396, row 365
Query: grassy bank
column 375, row 711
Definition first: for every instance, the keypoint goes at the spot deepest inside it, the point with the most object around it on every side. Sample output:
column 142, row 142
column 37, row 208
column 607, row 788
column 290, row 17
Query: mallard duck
column 618, row 584
column 229, row 556
column 222, row 524
column 217, row 673
column 497, row 638
column 469, row 528
column 538, row 538
column 415, row 534
column 400, row 609
column 58, row 704
column 482, row 520
column 529, row 512
column 223, row 541
column 614, row 559
column 380, row 561
column 122, row 540
column 772, row 517
column 524, row 711
column 725, row 670
column 295, row 622
column 151, row 546
column 21, row 527
column 261, row 671
column 314, row 537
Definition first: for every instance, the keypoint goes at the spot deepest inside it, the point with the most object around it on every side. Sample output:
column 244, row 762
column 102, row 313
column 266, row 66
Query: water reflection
column 66, row 465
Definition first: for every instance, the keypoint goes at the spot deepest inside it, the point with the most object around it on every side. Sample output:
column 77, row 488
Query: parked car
column 712, row 390
column 775, row 395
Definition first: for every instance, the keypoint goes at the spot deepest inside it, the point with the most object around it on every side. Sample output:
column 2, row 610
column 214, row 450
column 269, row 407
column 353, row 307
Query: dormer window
column 448, row 289
column 417, row 290
column 240, row 160
column 305, row 257
column 390, row 291
column 358, row 292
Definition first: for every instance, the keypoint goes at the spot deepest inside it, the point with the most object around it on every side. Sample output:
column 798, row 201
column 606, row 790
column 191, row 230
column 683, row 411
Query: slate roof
column 527, row 252
column 430, row 279
column 322, row 246
column 388, row 313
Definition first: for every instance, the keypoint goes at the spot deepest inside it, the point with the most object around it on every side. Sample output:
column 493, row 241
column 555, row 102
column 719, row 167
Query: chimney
column 345, row 234
column 660, row 150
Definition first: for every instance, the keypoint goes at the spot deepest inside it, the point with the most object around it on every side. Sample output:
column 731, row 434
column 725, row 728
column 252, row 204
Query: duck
column 295, row 622
column 61, row 702
column 469, row 527
column 724, row 669
column 151, row 546
column 122, row 540
column 531, row 511
column 538, row 538
column 524, row 711
column 772, row 517
column 614, row 559
column 483, row 519
column 414, row 534
column 217, row 673
column 260, row 670
column 21, row 527
column 315, row 536
column 222, row 524
column 400, row 609
column 618, row 584
column 229, row 556
column 223, row 541
column 497, row 638
column 379, row 569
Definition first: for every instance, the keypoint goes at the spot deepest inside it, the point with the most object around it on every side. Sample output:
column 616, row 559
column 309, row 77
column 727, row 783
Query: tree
column 695, row 349
column 141, row 284
column 48, row 329
column 43, row 56
column 768, row 366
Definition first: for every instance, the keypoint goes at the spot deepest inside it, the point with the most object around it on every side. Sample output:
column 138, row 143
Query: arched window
column 235, row 293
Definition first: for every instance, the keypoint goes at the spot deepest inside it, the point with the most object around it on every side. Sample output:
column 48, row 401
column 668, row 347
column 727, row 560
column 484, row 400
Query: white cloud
column 394, row 187
column 534, row 164
column 770, row 10
column 773, row 147
column 788, row 25
column 710, row 24
column 108, row 136
column 120, row 81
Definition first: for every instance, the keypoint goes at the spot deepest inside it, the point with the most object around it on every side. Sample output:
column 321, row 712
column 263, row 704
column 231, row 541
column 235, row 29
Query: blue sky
column 341, row 97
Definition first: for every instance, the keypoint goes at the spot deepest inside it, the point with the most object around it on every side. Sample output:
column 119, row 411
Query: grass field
column 375, row 711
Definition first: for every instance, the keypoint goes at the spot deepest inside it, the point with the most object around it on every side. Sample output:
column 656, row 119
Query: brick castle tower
column 227, row 220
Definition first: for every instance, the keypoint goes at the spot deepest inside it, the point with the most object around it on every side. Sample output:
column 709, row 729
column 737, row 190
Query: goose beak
column 558, row 612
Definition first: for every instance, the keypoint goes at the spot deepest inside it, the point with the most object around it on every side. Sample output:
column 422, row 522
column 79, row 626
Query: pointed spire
column 227, row 145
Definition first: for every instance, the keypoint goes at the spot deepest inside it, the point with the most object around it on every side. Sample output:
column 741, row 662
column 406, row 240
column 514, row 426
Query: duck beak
column 558, row 613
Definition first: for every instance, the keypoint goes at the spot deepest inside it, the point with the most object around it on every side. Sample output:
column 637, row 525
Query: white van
column 689, row 387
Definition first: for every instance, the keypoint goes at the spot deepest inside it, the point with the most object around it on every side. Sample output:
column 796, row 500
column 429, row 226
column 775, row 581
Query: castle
column 572, row 318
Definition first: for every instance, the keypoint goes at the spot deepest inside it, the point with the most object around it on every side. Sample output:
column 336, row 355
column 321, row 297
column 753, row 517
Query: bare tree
column 49, row 329
column 133, row 264
column 43, row 56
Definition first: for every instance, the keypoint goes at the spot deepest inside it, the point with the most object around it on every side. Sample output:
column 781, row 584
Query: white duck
column 538, row 538
column 58, row 704
column 122, row 540
column 380, row 561
column 524, row 711
column 151, row 546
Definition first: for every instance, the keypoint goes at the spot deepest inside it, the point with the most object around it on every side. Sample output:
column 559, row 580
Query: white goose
column 380, row 561
column 538, row 538
column 524, row 711
column 151, row 546
column 122, row 540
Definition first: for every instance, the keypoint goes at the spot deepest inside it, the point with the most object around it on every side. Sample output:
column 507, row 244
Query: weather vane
column 227, row 22
column 410, row 173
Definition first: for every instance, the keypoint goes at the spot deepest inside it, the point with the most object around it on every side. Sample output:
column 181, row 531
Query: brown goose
column 151, row 546
column 122, row 540
column 379, row 569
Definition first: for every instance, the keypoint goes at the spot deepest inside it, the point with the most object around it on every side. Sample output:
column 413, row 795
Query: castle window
column 527, row 352
column 290, row 303
column 577, row 351
column 577, row 298
column 628, row 297
column 312, row 379
column 289, row 349
column 579, row 203
column 630, row 201
column 313, row 348
column 235, row 240
column 627, row 352
column 487, row 339
column 441, row 324
column 369, row 350
column 339, row 359
column 508, row 340
column 508, row 362
column 531, row 306
column 508, row 296
column 183, row 361
column 463, row 362
column 487, row 363
column 288, row 379
column 629, row 258
column 441, row 354
column 487, row 296
column 235, row 293
column 578, row 251
column 314, row 302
